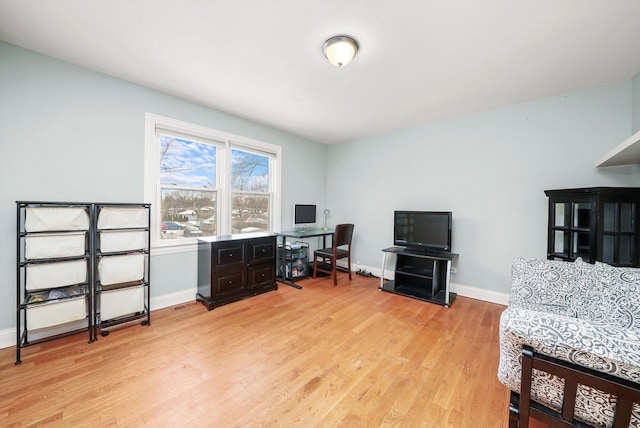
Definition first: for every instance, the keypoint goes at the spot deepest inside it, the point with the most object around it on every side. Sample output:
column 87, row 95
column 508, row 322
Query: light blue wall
column 71, row 134
column 635, row 83
column 490, row 169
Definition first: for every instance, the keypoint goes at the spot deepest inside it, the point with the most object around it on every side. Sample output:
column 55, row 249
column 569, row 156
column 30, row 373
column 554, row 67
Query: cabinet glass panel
column 581, row 245
column 626, row 217
column 581, row 214
column 626, row 249
column 608, row 244
column 561, row 212
column 561, row 242
column 609, row 219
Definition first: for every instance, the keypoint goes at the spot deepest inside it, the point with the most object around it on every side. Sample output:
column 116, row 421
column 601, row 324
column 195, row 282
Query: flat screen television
column 426, row 230
column 304, row 215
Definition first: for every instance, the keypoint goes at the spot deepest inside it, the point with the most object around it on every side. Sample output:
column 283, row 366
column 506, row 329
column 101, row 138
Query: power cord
column 363, row 272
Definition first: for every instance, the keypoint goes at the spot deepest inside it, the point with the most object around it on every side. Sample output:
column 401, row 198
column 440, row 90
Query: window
column 205, row 182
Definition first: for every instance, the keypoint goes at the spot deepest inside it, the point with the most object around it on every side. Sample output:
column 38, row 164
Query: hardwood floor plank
column 322, row 356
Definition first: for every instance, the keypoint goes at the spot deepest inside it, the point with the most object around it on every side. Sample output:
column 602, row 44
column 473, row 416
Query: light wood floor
column 323, row 356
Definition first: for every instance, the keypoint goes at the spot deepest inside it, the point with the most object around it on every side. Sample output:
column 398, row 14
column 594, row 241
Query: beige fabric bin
column 119, row 269
column 52, row 275
column 119, row 218
column 47, row 246
column 56, row 312
column 113, row 241
column 50, row 219
column 121, row 302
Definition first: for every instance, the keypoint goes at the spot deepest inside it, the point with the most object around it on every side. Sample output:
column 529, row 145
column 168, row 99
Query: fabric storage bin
column 119, row 218
column 123, row 241
column 51, row 219
column 56, row 312
column 54, row 245
column 52, row 275
column 118, row 269
column 124, row 301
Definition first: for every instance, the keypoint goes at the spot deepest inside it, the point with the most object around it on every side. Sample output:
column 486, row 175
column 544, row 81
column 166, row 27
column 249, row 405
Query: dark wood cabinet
column 595, row 224
column 235, row 267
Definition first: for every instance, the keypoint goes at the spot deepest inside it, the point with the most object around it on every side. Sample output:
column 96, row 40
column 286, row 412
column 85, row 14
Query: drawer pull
column 230, row 282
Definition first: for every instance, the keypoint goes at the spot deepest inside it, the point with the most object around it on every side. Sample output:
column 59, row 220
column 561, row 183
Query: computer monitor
column 304, row 215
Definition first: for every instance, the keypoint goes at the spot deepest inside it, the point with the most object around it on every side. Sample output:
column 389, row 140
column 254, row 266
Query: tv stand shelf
column 420, row 275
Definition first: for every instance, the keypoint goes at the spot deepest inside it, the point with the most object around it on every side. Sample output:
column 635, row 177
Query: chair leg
column 334, row 272
column 315, row 266
column 349, row 265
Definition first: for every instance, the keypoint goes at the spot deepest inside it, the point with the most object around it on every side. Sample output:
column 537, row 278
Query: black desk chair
column 342, row 237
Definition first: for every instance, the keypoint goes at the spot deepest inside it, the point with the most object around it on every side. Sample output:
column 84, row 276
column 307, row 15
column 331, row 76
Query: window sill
column 183, row 246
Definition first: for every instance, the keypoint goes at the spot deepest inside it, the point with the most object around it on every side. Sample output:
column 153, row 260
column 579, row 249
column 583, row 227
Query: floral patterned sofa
column 584, row 314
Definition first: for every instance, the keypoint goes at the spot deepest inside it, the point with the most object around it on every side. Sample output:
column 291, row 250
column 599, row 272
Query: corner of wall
column 635, row 104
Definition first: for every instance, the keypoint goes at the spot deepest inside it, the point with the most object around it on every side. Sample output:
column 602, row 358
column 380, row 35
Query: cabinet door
column 228, row 255
column 227, row 283
column 261, row 275
column 619, row 246
column 261, row 250
column 571, row 230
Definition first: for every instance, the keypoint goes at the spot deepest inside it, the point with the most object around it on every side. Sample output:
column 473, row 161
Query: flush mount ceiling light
column 340, row 50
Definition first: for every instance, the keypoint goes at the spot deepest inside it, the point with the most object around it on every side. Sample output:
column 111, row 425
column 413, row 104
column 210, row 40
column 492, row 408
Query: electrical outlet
column 454, row 269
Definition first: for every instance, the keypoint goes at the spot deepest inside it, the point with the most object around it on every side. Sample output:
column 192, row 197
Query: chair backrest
column 343, row 235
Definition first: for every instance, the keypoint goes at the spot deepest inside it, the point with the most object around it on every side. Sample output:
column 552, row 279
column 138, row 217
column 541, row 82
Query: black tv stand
column 422, row 275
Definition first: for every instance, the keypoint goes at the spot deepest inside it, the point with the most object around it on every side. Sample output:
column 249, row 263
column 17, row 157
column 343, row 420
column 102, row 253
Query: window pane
column 187, row 163
column 609, row 223
column 249, row 213
column 581, row 245
column 626, row 217
column 249, row 171
column 187, row 213
column 626, row 249
column 581, row 215
column 561, row 210
column 608, row 246
column 561, row 243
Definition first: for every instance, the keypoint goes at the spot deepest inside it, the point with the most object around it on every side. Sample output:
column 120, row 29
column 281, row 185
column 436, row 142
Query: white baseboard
column 462, row 290
column 8, row 336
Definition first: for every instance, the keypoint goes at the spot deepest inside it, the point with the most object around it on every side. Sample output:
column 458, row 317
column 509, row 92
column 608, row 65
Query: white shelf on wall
column 627, row 153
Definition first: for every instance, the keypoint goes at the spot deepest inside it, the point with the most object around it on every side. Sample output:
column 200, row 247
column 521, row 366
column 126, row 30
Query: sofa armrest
column 598, row 346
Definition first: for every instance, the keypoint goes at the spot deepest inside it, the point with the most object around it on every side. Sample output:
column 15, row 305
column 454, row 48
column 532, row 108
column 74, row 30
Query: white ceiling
column 419, row 61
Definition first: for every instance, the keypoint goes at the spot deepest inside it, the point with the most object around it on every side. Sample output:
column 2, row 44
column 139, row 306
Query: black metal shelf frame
column 90, row 289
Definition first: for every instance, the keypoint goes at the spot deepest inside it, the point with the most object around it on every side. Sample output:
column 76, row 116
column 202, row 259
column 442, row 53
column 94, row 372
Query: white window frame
column 225, row 142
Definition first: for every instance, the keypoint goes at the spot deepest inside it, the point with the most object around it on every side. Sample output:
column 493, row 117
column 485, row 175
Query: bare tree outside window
column 188, row 197
column 250, row 205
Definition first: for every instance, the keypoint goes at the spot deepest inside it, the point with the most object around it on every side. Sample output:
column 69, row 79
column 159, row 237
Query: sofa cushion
column 547, row 285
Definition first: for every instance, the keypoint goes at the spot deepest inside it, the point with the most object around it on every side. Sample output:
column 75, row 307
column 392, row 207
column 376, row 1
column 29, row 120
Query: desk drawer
column 228, row 283
column 261, row 275
column 228, row 255
column 262, row 250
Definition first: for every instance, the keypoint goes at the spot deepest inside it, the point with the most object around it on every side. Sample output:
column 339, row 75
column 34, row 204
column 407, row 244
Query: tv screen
column 423, row 229
column 304, row 214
